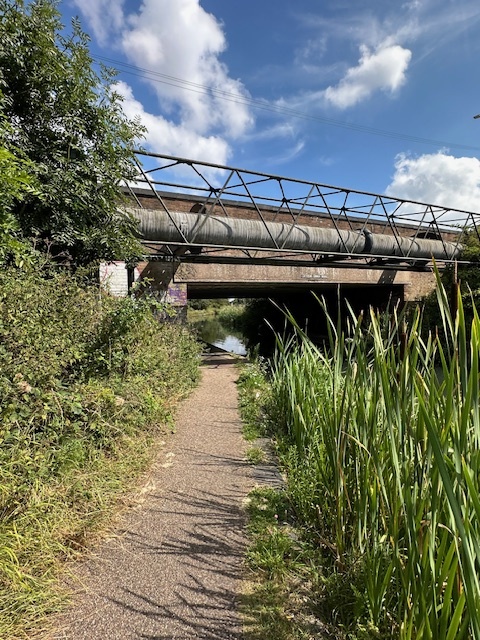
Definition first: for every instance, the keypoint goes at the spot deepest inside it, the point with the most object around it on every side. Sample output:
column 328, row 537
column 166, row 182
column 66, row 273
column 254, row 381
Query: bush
column 86, row 381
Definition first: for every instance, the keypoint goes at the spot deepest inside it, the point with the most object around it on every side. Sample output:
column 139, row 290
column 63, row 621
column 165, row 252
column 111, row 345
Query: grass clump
column 278, row 602
column 253, row 399
column 255, row 455
column 86, row 384
column 281, row 596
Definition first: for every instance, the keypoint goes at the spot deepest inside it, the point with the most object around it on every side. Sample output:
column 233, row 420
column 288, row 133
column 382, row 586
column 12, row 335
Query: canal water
column 213, row 332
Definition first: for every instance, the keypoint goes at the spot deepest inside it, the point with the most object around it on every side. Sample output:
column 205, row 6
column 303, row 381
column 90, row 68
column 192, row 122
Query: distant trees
column 65, row 143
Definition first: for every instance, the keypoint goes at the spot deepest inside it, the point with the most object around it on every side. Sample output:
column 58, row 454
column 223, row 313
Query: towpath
column 173, row 569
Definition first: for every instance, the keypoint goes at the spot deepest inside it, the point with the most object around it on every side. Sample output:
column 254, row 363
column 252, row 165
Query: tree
column 67, row 120
column 16, row 181
column 468, row 278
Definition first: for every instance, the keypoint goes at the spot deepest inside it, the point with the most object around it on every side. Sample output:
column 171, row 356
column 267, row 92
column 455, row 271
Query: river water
column 213, row 332
column 232, row 344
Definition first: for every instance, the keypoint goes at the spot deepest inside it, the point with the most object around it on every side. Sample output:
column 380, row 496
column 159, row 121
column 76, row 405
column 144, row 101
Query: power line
column 187, row 85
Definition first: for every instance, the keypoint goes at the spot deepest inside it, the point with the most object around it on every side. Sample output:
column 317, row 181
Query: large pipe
column 200, row 229
column 213, row 230
column 402, row 246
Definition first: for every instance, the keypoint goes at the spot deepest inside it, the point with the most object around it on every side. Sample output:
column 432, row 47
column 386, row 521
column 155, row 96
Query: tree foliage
column 67, row 120
column 467, row 274
column 16, row 182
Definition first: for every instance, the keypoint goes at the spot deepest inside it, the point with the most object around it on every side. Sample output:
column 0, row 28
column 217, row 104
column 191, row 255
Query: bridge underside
column 182, row 281
column 264, row 290
column 294, row 296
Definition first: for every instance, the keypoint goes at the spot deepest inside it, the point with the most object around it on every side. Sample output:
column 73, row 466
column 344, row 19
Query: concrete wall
column 113, row 278
column 175, row 282
column 159, row 279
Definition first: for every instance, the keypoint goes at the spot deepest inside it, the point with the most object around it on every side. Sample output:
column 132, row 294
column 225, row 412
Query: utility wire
column 187, row 85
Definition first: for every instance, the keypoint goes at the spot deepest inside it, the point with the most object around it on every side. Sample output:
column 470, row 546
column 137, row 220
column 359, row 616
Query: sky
column 371, row 95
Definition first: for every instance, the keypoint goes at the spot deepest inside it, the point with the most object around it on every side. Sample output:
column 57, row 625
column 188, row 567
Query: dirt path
column 173, row 570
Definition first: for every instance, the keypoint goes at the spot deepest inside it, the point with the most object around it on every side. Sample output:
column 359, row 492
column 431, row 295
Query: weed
column 280, row 601
column 254, row 397
column 255, row 455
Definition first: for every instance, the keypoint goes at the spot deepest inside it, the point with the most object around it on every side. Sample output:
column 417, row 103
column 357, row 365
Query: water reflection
column 231, row 344
column 213, row 332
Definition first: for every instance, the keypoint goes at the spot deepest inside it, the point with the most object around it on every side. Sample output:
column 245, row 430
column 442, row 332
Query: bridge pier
column 157, row 279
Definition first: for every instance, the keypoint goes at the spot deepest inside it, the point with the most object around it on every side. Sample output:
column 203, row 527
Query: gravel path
column 173, row 570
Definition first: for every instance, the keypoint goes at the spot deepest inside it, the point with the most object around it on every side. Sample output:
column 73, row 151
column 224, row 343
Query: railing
column 406, row 229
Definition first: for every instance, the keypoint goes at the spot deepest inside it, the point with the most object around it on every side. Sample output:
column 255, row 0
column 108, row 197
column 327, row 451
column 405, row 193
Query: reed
column 384, row 428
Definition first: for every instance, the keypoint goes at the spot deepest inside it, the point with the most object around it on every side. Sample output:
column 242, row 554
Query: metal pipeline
column 200, row 229
column 401, row 246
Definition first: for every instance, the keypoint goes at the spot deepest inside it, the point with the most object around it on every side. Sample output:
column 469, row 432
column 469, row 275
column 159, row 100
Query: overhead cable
column 187, row 85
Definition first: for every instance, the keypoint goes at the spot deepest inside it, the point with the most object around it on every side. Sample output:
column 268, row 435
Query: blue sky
column 334, row 91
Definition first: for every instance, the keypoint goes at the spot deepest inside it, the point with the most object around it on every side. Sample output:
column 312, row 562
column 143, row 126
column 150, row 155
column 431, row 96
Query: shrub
column 86, row 381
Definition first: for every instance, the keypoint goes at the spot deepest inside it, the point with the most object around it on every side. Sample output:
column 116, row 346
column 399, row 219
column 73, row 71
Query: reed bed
column 384, row 459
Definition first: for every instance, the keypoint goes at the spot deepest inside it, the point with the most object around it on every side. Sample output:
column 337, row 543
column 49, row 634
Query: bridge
column 217, row 231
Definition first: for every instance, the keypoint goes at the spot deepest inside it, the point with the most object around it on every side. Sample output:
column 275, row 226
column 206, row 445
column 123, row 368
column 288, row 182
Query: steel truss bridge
column 193, row 211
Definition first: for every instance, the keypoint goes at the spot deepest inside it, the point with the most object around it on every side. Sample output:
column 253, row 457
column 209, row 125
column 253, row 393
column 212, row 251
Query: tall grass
column 385, row 468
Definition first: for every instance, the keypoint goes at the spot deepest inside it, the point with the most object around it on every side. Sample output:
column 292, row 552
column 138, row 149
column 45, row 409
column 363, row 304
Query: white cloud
column 288, row 155
column 379, row 69
column 104, row 16
column 438, row 178
column 312, row 50
column 181, row 40
column 425, row 23
column 383, row 70
column 276, row 131
column 202, row 107
column 169, row 138
column 389, row 37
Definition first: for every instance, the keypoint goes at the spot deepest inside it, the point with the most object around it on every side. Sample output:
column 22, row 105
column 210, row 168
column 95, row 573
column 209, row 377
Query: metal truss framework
column 219, row 189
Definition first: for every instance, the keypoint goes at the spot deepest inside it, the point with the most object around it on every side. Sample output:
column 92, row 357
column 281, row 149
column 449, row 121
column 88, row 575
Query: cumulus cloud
column 181, row 40
column 381, row 70
column 438, row 178
column 203, row 109
column 164, row 136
